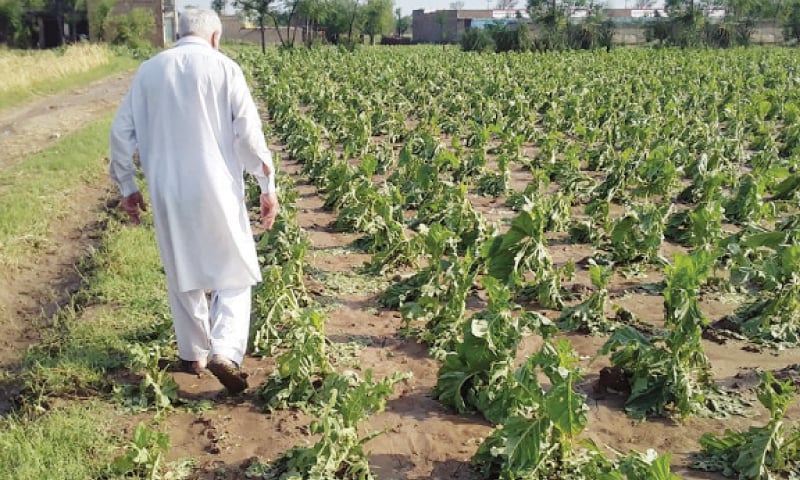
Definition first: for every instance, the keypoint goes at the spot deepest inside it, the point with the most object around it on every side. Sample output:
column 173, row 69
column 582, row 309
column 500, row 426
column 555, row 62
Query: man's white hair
column 200, row 22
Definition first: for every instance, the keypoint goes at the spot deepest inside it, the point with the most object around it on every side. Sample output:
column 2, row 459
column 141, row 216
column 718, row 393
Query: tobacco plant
column 478, row 374
column 145, row 454
column 521, row 253
column 157, row 389
column 589, row 316
column 342, row 402
column 636, row 237
column 537, row 441
column 669, row 372
column 774, row 316
column 302, row 368
column 771, row 451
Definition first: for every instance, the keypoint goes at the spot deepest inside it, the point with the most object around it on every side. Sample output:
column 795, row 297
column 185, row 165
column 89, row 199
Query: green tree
column 282, row 15
column 753, row 9
column 402, row 24
column 312, row 13
column 258, row 9
column 791, row 21
column 132, row 29
column 11, row 23
column 505, row 4
column 341, row 18
column 18, row 18
column 441, row 19
column 218, row 6
column 378, row 18
column 99, row 11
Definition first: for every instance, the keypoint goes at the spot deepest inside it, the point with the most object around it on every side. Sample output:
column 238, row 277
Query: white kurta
column 190, row 114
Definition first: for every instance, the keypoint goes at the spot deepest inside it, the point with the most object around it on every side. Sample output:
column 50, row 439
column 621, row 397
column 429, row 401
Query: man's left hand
column 269, row 209
column 132, row 204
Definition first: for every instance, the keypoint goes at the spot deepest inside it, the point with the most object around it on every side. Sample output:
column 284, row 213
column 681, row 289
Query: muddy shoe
column 229, row 374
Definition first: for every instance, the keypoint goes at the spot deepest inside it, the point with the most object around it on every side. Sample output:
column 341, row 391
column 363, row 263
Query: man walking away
column 192, row 117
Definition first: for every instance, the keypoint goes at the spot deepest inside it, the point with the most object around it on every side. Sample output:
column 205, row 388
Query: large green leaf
column 566, row 408
column 527, row 444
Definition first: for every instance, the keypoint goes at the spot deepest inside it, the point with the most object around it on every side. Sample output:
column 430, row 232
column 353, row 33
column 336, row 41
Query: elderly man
column 191, row 116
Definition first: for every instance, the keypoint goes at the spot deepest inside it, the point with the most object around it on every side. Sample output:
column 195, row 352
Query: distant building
column 446, row 26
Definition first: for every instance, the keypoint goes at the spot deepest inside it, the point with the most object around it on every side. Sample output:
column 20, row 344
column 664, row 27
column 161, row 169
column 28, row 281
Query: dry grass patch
column 24, row 69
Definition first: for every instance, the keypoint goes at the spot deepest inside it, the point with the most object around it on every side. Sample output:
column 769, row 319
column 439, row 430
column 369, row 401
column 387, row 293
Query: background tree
column 11, row 22
column 98, row 13
column 441, row 19
column 340, row 18
column 282, row 15
column 546, row 9
column 378, row 18
column 505, row 4
column 218, row 6
column 19, row 19
column 402, row 23
column 312, row 14
column 754, row 9
column 132, row 29
column 259, row 10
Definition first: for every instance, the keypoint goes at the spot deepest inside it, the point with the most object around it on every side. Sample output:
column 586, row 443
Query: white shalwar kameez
column 192, row 117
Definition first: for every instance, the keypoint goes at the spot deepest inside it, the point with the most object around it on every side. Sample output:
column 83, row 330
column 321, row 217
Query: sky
column 408, row 5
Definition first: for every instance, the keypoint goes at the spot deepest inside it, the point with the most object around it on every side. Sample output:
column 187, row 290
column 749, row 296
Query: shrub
column 477, row 40
column 514, row 38
column 728, row 34
column 131, row 29
column 98, row 13
column 791, row 24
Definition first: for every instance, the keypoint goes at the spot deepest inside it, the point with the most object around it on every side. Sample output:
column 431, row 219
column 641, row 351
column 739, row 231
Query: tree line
column 22, row 20
column 341, row 21
column 682, row 23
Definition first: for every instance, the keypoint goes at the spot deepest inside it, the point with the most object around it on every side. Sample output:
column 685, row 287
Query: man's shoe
column 195, row 367
column 228, row 373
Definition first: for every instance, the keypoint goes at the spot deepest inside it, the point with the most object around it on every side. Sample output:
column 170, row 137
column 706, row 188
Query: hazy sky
column 408, row 5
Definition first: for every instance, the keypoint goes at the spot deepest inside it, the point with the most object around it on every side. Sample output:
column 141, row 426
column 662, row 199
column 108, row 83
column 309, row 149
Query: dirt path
column 32, row 293
column 28, row 128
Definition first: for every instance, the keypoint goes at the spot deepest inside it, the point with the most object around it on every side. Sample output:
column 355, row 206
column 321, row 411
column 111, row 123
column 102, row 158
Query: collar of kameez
column 192, row 40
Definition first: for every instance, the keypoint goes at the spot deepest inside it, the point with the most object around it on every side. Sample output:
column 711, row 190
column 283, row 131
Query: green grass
column 117, row 64
column 67, row 443
column 125, row 303
column 85, row 353
column 40, row 190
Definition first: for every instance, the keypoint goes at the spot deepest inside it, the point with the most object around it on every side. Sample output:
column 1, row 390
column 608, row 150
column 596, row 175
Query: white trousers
column 220, row 328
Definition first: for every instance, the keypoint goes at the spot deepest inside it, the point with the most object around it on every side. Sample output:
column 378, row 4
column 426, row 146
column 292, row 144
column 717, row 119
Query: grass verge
column 73, row 383
column 38, row 191
column 90, row 353
column 65, row 443
column 123, row 303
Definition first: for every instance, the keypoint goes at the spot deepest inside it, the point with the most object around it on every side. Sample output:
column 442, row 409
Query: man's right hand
column 132, row 204
column 269, row 209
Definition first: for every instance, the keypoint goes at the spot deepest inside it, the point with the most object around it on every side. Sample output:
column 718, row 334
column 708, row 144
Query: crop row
column 628, row 156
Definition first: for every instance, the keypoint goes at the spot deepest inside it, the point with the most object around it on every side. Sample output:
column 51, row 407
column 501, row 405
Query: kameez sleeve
column 123, row 143
column 249, row 142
